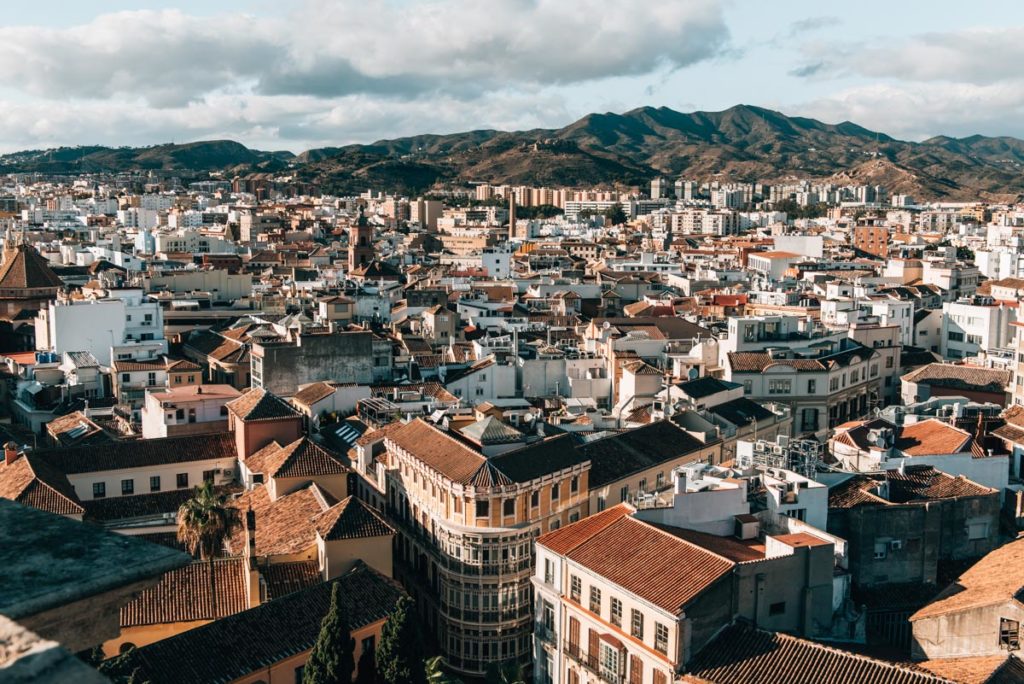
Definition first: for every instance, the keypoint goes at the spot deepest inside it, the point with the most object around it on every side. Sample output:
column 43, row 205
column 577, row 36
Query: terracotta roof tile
column 31, row 481
column 994, row 579
column 255, row 639
column 740, row 654
column 183, row 595
column 115, row 455
column 960, row 377
column 284, row 526
column 975, row 670
column 25, row 268
column 301, row 458
column 566, row 538
column 437, row 450
column 932, row 436
column 351, row 519
column 284, row 578
column 259, row 404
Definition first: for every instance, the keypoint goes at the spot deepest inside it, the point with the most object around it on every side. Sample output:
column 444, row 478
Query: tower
column 511, row 214
column 360, row 244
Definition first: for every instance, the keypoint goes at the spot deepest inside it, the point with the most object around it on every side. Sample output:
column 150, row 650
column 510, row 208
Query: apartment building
column 978, row 324
column 619, row 599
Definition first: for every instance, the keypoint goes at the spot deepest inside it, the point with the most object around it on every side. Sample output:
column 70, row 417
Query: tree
column 436, row 674
column 400, row 657
column 508, row 672
column 616, row 215
column 204, row 522
column 367, row 673
column 332, row 660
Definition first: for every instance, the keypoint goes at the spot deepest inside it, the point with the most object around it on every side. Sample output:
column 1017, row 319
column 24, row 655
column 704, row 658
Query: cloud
column 914, row 111
column 807, row 70
column 811, row 24
column 330, row 48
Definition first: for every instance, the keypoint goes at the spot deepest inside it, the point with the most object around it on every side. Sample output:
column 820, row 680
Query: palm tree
column 204, row 522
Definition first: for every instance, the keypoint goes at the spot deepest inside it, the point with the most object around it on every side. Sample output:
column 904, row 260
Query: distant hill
column 212, row 155
column 742, row 143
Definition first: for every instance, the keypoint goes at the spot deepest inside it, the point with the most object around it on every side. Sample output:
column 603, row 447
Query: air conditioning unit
column 896, row 544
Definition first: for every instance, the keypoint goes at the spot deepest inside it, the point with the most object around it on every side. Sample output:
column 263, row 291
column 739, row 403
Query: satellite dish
column 693, row 374
column 606, row 325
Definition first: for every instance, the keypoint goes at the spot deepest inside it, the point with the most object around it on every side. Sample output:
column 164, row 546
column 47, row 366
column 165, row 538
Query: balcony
column 545, row 633
column 592, row 664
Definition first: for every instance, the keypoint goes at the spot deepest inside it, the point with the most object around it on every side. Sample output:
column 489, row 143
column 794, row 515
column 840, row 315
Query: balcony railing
column 592, row 664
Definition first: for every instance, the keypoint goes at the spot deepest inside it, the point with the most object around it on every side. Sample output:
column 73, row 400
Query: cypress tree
column 332, row 659
column 400, row 656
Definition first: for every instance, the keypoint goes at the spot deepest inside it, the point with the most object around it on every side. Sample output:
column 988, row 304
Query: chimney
column 10, row 453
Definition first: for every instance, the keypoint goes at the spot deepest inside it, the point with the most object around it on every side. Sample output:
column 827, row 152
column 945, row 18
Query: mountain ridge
column 741, row 143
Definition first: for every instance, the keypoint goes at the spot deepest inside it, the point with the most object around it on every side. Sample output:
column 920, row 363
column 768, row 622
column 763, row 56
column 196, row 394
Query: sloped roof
column 117, row 454
column 351, row 519
column 183, row 595
column 31, row 481
column 259, row 404
column 25, row 268
column 994, row 579
column 491, row 430
column 933, row 436
column 612, row 458
column 741, row 654
column 301, row 458
column 960, row 377
column 253, row 640
column 283, row 526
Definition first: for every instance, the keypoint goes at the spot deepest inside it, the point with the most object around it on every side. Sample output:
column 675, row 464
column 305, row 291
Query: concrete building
column 283, row 367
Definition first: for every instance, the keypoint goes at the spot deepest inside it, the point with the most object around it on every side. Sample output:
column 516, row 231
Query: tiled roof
column 975, row 670
column 439, row 451
column 256, row 639
column 918, row 483
column 284, row 578
column 183, row 595
column 491, row 430
column 301, row 458
column 654, row 565
column 740, row 654
column 116, row 455
column 706, row 386
column 612, row 458
column 960, row 377
column 565, row 539
column 141, row 505
column 25, row 268
column 284, row 526
column 994, row 579
column 31, row 481
column 309, row 395
column 540, row 458
column 351, row 519
column 932, row 436
column 741, row 412
column 757, row 362
column 259, row 404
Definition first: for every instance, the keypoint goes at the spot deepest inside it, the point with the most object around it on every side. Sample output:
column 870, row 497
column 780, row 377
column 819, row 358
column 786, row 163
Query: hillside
column 742, row 143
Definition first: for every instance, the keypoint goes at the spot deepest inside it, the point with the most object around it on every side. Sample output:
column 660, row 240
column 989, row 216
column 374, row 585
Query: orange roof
column 775, row 255
column 993, row 580
column 567, row 538
column 931, row 437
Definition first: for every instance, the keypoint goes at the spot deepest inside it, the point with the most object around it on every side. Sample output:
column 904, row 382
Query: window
column 126, row 377
column 207, row 476
column 609, row 662
column 888, row 362
column 833, row 384
column 616, row 612
column 602, row 503
column 99, row 490
column 881, row 550
column 974, row 339
column 643, row 485
column 151, row 378
column 555, row 491
column 182, row 480
column 812, row 386
column 127, row 487
column 595, row 600
column 874, row 370
column 977, row 531
column 659, row 481
column 779, row 386
column 298, row 674
column 660, row 638
column 154, row 483
column 575, row 588
column 535, row 498
column 574, row 485
column 483, row 509
column 955, row 336
column 777, row 608
column 548, row 615
column 624, row 493
column 810, row 419
column 748, row 386
column 509, row 507
column 368, row 645
column 549, row 571
column 1009, row 634
column 223, row 410
column 636, row 627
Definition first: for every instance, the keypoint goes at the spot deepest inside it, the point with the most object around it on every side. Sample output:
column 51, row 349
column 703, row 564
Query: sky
column 298, row 74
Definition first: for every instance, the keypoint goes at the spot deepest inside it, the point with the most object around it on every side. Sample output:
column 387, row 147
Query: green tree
column 508, row 672
column 616, row 215
column 332, row 660
column 436, row 674
column 204, row 522
column 122, row 669
column 400, row 657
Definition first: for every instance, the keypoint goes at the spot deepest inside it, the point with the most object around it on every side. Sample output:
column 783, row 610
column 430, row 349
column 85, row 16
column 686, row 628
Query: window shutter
column 636, row 670
column 593, row 654
column 574, row 636
column 660, row 678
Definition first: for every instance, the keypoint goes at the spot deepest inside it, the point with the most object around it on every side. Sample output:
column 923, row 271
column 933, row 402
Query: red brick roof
column 932, row 436
column 351, row 519
column 31, row 481
column 259, row 404
column 993, row 580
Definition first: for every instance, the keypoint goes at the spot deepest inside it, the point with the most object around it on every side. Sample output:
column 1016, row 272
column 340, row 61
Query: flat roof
column 51, row 560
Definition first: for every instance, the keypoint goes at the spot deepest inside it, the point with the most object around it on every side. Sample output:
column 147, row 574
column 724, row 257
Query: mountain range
column 742, row 143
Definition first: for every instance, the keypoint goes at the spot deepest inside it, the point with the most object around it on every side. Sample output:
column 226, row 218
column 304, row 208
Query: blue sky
column 294, row 75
